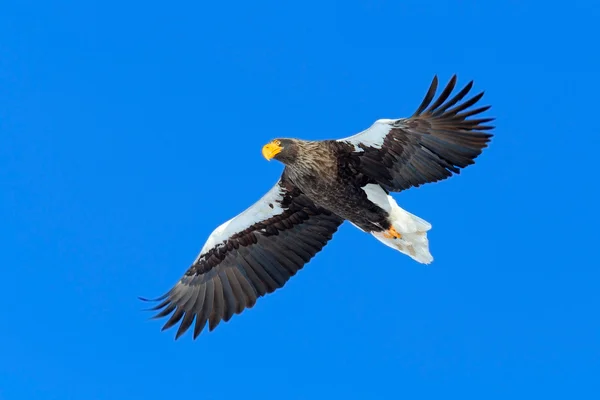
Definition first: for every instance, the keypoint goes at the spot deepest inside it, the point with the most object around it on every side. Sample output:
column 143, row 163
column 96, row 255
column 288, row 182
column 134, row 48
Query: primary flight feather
column 323, row 184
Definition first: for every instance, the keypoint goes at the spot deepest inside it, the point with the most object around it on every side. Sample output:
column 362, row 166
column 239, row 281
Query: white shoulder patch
column 373, row 136
column 268, row 206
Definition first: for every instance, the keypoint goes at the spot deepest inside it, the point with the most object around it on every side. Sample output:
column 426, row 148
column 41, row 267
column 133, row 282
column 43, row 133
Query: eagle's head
column 283, row 150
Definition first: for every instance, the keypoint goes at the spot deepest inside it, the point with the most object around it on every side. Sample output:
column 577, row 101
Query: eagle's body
column 325, row 183
column 322, row 174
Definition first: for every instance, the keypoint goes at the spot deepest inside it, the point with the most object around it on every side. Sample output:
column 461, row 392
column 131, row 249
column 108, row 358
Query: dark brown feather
column 433, row 144
column 258, row 260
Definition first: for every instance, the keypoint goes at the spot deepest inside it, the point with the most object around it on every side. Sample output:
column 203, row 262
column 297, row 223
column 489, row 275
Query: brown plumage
column 324, row 183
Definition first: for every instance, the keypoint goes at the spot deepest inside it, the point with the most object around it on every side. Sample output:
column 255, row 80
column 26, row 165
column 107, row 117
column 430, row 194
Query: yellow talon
column 392, row 233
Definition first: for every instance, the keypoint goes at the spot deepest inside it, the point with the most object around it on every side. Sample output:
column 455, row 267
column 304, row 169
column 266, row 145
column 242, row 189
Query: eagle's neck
column 314, row 156
column 313, row 166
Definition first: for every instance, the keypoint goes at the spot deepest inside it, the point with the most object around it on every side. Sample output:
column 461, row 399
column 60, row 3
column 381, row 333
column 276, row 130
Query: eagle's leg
column 392, row 233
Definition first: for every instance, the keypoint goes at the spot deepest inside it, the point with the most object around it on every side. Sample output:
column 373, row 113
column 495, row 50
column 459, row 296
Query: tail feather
column 413, row 230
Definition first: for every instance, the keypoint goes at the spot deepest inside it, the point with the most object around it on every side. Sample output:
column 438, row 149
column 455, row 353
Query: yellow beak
column 270, row 150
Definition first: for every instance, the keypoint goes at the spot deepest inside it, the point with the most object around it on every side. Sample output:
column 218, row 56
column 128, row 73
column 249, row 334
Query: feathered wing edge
column 441, row 108
column 438, row 140
column 249, row 264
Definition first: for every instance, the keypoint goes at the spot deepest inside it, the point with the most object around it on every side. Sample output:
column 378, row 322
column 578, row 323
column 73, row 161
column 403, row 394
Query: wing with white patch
column 436, row 141
column 251, row 255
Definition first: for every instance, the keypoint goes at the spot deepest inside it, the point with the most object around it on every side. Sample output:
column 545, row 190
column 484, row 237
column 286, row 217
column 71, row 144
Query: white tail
column 414, row 242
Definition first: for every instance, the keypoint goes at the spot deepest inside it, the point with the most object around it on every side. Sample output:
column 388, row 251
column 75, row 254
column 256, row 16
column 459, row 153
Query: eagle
column 323, row 184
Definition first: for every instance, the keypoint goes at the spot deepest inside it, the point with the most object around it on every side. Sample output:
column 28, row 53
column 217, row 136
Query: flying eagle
column 323, row 184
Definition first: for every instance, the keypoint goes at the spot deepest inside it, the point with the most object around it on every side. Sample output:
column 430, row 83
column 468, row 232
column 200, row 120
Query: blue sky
column 128, row 131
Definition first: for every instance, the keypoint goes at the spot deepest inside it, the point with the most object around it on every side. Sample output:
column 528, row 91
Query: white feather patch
column 268, row 206
column 377, row 195
column 373, row 136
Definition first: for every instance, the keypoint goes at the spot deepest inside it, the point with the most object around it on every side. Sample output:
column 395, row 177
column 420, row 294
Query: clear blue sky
column 130, row 130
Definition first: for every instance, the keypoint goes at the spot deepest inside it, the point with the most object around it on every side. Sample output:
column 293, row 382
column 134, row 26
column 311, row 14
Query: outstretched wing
column 436, row 141
column 251, row 255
